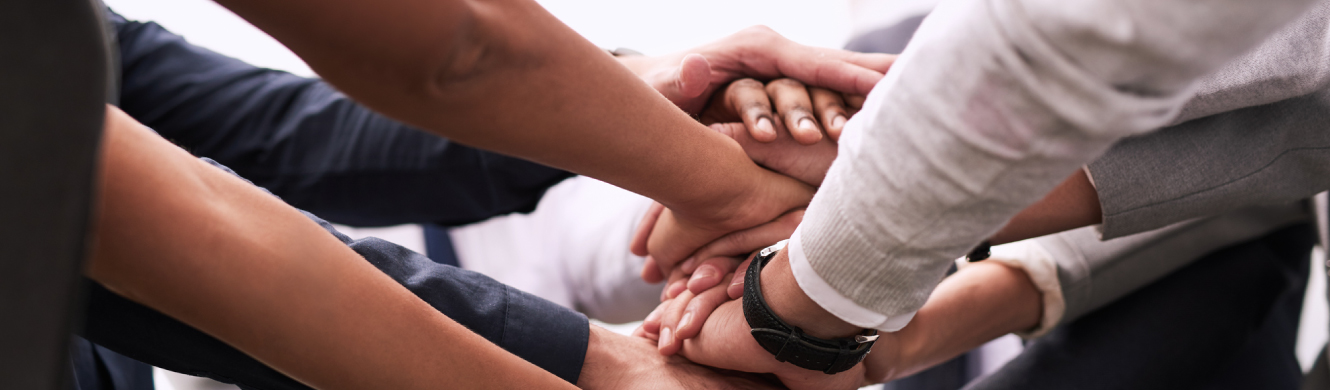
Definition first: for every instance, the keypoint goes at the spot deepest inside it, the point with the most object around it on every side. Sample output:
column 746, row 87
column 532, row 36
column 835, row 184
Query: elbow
column 481, row 43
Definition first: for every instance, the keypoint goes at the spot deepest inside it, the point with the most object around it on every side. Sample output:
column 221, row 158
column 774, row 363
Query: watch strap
column 791, row 344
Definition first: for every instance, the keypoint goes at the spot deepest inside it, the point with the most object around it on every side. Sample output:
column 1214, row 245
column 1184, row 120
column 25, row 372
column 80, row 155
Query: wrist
column 789, row 302
column 602, row 364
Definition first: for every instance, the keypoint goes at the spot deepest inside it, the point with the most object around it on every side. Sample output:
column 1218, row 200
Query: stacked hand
column 740, row 113
column 700, row 317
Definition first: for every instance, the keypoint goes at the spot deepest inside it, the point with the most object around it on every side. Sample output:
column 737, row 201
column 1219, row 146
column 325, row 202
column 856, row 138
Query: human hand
column 723, row 340
column 683, row 323
column 666, row 238
column 757, row 52
column 748, row 103
column 616, row 362
column 805, row 111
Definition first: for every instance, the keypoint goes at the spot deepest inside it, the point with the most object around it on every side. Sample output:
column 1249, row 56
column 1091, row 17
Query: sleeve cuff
column 1030, row 256
column 831, row 300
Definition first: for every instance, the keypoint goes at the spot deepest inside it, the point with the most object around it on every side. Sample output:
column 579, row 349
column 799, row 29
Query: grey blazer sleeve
column 1261, row 155
column 1252, row 135
column 1293, row 62
column 1093, row 273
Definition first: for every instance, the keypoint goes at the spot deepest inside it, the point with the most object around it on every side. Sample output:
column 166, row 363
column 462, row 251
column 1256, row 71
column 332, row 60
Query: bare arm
column 1070, row 205
column 508, row 76
column 215, row 252
column 969, row 308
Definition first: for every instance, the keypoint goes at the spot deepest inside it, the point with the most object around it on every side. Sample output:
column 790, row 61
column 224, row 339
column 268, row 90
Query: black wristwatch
column 791, row 344
column 980, row 253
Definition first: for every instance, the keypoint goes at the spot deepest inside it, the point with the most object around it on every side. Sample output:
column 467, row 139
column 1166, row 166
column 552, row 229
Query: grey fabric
column 1253, row 134
column 1094, row 273
column 1267, row 154
column 1294, row 61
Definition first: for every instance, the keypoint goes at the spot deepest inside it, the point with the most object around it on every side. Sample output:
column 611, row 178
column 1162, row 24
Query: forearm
column 509, row 77
column 208, row 249
column 1070, row 205
column 969, row 308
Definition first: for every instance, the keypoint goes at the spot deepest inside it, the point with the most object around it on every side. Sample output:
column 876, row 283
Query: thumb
column 686, row 83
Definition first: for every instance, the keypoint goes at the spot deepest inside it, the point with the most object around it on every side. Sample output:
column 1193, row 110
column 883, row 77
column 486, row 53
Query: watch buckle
column 865, row 339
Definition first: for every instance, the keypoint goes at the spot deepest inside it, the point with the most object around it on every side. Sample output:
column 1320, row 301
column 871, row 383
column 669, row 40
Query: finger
column 854, row 102
column 745, row 241
column 694, row 76
column 644, row 228
column 677, row 277
column 651, row 325
column 844, row 71
column 876, row 61
column 830, row 108
column 711, row 273
column 807, row 163
column 698, row 310
column 748, row 98
column 792, row 103
column 684, row 83
column 736, row 287
column 675, row 288
column 651, row 271
column 668, row 343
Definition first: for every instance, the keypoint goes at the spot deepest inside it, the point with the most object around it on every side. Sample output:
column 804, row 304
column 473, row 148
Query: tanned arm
column 204, row 247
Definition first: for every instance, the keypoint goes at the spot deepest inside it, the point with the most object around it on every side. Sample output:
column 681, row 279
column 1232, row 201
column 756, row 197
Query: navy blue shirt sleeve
column 310, row 144
column 542, row 332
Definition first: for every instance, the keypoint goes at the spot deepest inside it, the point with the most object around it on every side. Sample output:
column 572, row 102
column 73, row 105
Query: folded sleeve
column 993, row 104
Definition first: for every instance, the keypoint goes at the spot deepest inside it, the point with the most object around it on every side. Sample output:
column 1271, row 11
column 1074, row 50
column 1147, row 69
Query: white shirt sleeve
column 993, row 104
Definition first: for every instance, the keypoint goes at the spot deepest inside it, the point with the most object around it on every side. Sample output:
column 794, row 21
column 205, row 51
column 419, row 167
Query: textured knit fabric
column 993, row 104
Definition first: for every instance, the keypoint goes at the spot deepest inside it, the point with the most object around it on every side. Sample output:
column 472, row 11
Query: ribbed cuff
column 832, row 301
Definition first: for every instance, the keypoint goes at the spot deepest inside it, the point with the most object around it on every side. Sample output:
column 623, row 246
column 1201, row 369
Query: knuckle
column 785, row 83
column 746, row 83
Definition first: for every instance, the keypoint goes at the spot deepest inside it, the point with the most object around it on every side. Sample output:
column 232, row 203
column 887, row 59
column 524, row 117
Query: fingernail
column 687, row 317
column 675, row 289
column 839, row 122
column 655, row 314
column 688, row 264
column 764, row 126
column 704, row 273
column 807, row 125
column 666, row 338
